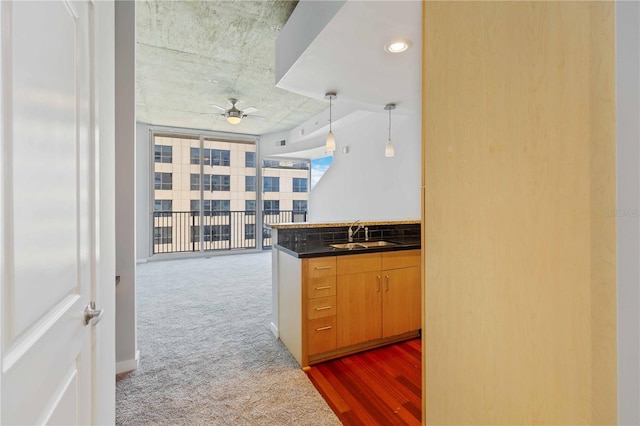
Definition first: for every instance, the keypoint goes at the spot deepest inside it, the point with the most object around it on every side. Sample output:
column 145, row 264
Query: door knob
column 92, row 315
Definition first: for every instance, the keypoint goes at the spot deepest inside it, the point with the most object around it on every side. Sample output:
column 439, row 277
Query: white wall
column 628, row 205
column 125, row 184
column 143, row 208
column 364, row 184
column 104, row 410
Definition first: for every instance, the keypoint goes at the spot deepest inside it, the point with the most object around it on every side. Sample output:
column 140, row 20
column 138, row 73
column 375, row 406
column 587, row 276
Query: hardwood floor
column 378, row 387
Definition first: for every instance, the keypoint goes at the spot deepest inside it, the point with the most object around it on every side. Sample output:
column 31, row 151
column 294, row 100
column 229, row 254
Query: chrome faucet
column 351, row 232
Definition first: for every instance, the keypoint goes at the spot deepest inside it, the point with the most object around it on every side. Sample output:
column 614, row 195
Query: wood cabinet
column 319, row 279
column 336, row 305
column 378, row 296
column 400, row 301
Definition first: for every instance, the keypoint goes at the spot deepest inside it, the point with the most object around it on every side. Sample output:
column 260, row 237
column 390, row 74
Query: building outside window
column 194, row 156
column 250, row 231
column 219, row 157
column 162, row 235
column 204, row 185
column 217, row 232
column 271, row 206
column 220, row 207
column 299, row 206
column 271, row 184
column 162, row 180
column 195, row 181
column 250, row 207
column 162, row 208
column 250, row 183
column 163, row 153
column 299, row 184
column 195, row 207
column 220, row 183
column 250, row 159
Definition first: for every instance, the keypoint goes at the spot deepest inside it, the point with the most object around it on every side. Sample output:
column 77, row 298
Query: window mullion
column 201, row 212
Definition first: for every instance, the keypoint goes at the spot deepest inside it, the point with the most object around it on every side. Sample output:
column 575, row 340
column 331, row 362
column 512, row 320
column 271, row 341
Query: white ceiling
column 348, row 57
column 194, row 54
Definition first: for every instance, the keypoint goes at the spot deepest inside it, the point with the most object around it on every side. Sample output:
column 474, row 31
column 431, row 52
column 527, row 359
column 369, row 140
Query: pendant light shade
column 330, row 145
column 331, row 142
column 389, row 150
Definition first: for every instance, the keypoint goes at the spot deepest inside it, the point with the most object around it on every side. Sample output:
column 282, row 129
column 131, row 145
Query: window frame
column 162, row 175
column 296, row 187
column 269, row 187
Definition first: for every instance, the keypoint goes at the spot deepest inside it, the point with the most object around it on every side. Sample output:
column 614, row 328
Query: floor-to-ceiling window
column 204, row 193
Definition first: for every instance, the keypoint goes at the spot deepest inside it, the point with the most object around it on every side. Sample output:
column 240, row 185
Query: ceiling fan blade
column 219, row 107
column 255, row 117
column 249, row 110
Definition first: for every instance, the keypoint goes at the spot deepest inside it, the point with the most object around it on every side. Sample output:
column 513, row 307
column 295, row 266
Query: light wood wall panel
column 519, row 172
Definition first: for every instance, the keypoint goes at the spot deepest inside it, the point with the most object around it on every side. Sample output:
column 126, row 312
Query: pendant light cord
column 330, row 99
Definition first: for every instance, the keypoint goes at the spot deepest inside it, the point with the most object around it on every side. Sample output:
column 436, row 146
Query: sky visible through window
column 318, row 167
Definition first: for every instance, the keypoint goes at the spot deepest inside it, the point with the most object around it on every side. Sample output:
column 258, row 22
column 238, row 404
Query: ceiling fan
column 233, row 114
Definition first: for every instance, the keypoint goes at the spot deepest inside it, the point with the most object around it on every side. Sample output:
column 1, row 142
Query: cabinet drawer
column 321, row 267
column 321, row 335
column 400, row 259
column 321, row 307
column 357, row 263
column 321, row 287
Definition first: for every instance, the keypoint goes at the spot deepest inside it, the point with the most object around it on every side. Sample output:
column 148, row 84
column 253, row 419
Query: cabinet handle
column 378, row 283
column 317, row 268
column 326, row 287
column 324, row 328
column 323, row 308
column 387, row 277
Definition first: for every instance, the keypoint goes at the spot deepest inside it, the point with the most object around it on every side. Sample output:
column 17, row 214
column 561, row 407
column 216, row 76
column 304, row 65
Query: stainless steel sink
column 348, row 246
column 378, row 243
column 363, row 245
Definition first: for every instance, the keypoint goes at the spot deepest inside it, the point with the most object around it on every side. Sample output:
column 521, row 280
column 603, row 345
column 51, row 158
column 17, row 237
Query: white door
column 49, row 216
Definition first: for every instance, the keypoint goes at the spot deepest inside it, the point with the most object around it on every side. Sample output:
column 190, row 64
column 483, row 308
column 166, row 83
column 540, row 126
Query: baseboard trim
column 128, row 365
column 274, row 330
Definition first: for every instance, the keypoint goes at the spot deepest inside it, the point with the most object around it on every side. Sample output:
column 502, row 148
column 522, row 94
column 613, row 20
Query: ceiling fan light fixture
column 234, row 118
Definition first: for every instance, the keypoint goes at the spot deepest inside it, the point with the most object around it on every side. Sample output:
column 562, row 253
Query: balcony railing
column 175, row 232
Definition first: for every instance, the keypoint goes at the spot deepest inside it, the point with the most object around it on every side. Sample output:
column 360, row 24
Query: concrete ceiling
column 191, row 54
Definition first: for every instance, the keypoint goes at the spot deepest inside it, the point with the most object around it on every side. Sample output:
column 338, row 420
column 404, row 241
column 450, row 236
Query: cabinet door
column 359, row 308
column 401, row 301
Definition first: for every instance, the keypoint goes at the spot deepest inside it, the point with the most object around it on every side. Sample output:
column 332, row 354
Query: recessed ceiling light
column 397, row 46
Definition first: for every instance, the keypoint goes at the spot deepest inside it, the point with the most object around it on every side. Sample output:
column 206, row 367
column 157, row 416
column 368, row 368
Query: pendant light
column 389, row 151
column 330, row 146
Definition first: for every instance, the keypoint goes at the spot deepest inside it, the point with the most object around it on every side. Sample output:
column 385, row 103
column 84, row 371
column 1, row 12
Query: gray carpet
column 207, row 355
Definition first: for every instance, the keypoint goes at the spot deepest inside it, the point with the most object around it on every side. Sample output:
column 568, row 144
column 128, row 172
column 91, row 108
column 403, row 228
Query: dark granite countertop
column 323, row 248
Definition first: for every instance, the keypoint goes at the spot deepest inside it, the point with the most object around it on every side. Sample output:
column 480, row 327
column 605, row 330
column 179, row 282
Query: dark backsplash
column 287, row 237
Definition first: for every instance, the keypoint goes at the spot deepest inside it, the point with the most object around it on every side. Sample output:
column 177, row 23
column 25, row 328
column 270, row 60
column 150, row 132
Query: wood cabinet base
column 325, row 356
